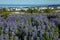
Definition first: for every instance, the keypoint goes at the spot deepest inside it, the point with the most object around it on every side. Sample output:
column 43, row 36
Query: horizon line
column 27, row 5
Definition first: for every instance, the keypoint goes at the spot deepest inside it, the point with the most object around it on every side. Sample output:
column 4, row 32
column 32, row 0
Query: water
column 24, row 3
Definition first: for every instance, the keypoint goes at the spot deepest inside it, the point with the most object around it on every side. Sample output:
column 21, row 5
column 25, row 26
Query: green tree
column 0, row 11
column 29, row 10
column 13, row 10
column 47, row 10
column 35, row 10
column 22, row 10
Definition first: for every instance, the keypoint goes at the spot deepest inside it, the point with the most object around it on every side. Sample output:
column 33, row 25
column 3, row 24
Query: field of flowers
column 29, row 26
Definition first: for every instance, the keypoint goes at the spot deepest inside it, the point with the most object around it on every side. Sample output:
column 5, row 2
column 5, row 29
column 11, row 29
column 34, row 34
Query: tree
column 29, row 10
column 35, row 10
column 47, row 10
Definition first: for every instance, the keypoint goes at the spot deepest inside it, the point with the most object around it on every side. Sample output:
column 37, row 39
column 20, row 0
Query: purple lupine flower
column 43, row 27
column 1, row 37
column 32, row 38
column 56, row 38
column 53, row 30
column 39, row 28
column 12, row 33
column 1, row 24
column 33, row 34
column 40, row 34
column 48, row 28
column 6, row 37
column 26, row 31
column 6, row 30
column 47, row 35
column 25, row 38
column 34, row 28
column 51, row 34
column 16, row 38
column 54, row 20
column 52, row 24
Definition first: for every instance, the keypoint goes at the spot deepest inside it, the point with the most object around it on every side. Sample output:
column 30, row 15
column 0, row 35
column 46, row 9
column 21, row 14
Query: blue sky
column 30, row 2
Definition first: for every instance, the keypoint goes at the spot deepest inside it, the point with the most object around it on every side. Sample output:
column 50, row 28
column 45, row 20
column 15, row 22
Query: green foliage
column 4, row 11
column 11, row 38
column 29, row 10
column 35, row 10
column 22, row 10
column 47, row 10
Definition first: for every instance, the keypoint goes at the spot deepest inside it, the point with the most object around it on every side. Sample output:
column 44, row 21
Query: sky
column 30, row 2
